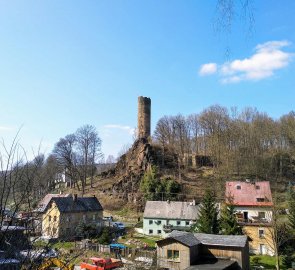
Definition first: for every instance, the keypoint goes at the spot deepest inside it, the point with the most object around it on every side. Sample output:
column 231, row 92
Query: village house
column 161, row 217
column 42, row 205
column 62, row 215
column 253, row 207
column 199, row 251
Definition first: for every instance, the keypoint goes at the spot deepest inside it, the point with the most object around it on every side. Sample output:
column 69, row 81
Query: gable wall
column 177, row 264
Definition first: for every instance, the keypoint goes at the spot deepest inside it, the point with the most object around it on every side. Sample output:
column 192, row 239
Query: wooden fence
column 127, row 252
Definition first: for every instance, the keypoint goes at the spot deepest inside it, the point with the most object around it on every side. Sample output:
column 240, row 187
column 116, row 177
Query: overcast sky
column 64, row 64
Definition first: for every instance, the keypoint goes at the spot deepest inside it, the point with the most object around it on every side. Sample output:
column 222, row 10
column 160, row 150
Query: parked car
column 119, row 225
column 108, row 218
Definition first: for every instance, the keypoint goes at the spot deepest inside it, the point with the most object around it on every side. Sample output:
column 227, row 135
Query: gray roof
column 222, row 240
column 190, row 239
column 171, row 210
column 84, row 204
column 45, row 201
column 185, row 238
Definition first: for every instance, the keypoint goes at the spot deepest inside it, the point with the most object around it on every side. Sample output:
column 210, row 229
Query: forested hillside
column 246, row 143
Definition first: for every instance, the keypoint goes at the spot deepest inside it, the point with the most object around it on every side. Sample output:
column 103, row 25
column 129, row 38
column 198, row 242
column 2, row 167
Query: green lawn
column 267, row 262
column 64, row 245
column 143, row 239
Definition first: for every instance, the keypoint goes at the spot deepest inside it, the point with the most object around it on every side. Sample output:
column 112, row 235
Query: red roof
column 249, row 193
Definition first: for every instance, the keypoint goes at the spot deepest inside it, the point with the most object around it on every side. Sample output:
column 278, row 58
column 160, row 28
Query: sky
column 64, row 64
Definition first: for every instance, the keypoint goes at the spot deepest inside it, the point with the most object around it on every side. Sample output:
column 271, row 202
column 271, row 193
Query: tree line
column 246, row 142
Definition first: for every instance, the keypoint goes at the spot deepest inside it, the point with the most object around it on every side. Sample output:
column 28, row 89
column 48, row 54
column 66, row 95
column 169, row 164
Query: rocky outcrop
column 131, row 167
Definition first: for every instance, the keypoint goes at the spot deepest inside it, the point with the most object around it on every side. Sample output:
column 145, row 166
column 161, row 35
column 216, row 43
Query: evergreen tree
column 208, row 215
column 156, row 189
column 150, row 185
column 228, row 222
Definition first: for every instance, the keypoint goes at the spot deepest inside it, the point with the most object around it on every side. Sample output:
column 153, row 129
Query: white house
column 161, row 217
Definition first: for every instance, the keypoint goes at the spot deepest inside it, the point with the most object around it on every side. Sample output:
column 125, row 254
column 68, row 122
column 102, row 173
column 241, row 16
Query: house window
column 178, row 222
column 238, row 187
column 93, row 217
column 150, row 222
column 172, row 254
column 150, row 231
column 260, row 199
column 54, row 218
column 49, row 218
column 159, row 222
column 187, row 223
column 261, row 214
column 159, row 231
column 257, row 187
column 261, row 233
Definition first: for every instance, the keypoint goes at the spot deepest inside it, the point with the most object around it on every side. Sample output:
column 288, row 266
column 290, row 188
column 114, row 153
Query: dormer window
column 260, row 199
column 257, row 187
column 238, row 187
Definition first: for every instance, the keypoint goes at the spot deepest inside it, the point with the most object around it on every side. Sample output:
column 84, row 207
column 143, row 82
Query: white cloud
column 208, row 69
column 128, row 129
column 267, row 58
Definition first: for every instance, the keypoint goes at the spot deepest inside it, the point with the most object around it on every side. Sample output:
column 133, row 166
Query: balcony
column 169, row 228
column 253, row 220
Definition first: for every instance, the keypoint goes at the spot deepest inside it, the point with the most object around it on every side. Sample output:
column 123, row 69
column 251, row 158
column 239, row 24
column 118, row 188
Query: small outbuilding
column 182, row 250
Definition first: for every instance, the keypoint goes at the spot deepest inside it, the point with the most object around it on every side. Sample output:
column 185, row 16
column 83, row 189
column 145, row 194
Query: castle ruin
column 144, row 117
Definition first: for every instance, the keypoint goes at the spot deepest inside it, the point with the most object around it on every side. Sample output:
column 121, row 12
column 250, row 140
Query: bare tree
column 64, row 152
column 78, row 154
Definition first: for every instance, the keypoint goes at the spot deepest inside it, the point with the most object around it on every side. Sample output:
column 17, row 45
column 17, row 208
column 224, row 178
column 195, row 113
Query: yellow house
column 260, row 238
column 62, row 215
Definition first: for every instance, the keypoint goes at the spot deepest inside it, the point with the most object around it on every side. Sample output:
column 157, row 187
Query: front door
column 246, row 216
column 262, row 249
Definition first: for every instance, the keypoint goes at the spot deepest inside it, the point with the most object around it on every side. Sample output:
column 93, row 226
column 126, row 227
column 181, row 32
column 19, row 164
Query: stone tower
column 144, row 117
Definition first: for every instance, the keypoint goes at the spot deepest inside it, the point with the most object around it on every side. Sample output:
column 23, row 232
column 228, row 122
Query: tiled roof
column 45, row 201
column 190, row 239
column 171, row 210
column 83, row 204
column 186, row 238
column 249, row 193
column 222, row 240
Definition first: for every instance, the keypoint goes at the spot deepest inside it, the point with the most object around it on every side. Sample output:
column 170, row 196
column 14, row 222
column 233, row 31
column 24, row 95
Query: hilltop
column 119, row 186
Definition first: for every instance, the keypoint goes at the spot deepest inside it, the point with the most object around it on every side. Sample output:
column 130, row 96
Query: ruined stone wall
column 144, row 117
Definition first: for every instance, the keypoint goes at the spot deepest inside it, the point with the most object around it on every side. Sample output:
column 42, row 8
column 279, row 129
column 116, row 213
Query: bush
column 84, row 230
column 256, row 260
column 105, row 238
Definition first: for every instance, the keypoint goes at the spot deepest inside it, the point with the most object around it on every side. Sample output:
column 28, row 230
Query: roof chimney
column 75, row 197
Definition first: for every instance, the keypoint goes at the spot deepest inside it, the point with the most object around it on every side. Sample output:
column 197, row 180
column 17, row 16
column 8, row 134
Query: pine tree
column 228, row 222
column 208, row 216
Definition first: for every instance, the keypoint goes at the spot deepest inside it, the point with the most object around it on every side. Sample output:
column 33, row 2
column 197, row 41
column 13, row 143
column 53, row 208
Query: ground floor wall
column 260, row 239
column 239, row 254
column 175, row 262
column 154, row 226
